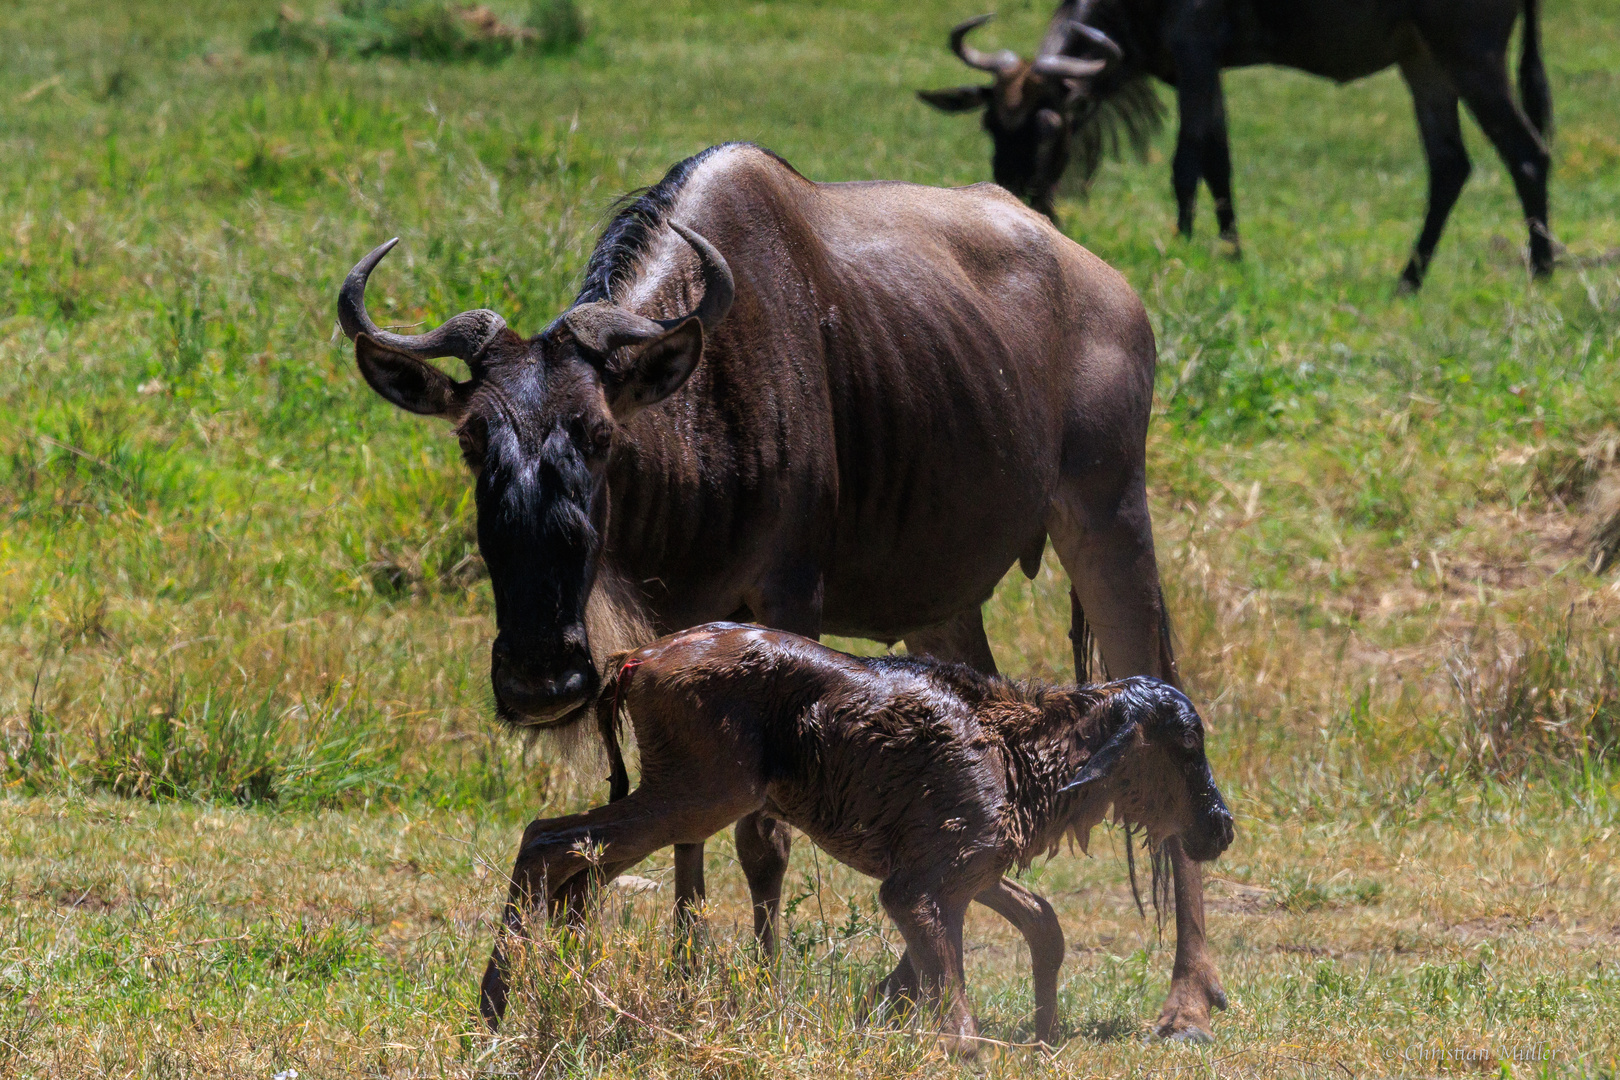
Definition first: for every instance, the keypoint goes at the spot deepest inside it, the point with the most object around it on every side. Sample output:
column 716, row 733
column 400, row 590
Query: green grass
column 258, row 810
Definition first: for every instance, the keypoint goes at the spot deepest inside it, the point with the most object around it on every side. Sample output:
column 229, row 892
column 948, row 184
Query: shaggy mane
column 1129, row 117
column 637, row 216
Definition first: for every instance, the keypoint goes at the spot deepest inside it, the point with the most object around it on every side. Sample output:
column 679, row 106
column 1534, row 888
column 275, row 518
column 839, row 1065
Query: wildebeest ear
column 1105, row 760
column 648, row 373
column 414, row 385
column 957, row 98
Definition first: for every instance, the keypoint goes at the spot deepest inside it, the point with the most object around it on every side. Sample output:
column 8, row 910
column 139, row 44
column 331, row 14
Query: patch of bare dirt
column 73, row 898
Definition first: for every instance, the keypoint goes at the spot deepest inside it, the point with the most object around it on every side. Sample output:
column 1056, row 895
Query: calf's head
column 1030, row 108
column 537, row 421
column 1153, row 768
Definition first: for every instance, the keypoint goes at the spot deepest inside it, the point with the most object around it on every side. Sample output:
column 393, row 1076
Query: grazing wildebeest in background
column 1089, row 79
column 903, row 391
column 934, row 778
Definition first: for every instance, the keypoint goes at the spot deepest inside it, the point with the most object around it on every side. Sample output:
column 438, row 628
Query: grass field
column 258, row 815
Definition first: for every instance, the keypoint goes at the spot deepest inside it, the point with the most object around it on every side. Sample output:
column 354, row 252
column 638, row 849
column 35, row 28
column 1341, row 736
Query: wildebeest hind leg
column 1484, row 86
column 1105, row 542
column 1106, row 545
column 1195, row 988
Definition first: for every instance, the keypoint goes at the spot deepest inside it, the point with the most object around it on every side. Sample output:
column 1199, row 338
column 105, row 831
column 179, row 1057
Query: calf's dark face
column 1153, row 766
column 1207, row 829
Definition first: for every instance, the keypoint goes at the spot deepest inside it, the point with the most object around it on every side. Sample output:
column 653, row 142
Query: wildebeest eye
column 596, row 438
column 474, row 438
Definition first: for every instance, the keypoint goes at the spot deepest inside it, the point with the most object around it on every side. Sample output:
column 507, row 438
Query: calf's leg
column 789, row 598
column 689, row 897
column 561, row 860
column 763, row 844
column 958, row 640
column 1036, row 920
column 932, row 927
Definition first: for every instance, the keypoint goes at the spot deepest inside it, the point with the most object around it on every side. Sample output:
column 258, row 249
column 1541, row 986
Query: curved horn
column 997, row 63
column 463, row 336
column 602, row 326
column 1067, row 67
column 718, row 287
column 1097, row 38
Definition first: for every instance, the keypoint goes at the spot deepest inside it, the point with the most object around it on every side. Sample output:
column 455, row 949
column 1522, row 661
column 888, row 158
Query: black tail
column 1087, row 662
column 1085, row 643
column 1535, row 97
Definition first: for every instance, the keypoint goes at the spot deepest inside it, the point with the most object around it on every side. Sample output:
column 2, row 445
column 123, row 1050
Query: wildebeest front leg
column 898, row 988
column 689, row 896
column 1201, row 144
column 1036, row 920
column 1195, row 988
column 1435, row 101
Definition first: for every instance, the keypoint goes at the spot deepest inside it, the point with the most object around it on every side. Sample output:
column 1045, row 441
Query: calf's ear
column 649, row 372
column 1105, row 760
column 414, row 385
column 957, row 98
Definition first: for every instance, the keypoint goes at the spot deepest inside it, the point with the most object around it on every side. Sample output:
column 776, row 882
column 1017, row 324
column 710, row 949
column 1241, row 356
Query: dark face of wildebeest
column 537, row 421
column 1029, row 109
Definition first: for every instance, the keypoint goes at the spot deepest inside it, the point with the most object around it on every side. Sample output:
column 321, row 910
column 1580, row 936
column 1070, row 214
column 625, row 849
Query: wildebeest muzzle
column 536, row 692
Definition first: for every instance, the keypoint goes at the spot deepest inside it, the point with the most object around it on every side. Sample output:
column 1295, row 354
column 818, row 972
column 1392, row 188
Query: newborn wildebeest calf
column 934, row 778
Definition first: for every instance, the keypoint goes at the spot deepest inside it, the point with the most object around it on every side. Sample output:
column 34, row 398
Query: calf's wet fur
column 933, row 778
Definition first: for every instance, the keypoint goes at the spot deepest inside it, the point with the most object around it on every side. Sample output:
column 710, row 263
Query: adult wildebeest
column 1089, row 79
column 903, row 391
column 934, row 778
